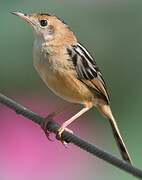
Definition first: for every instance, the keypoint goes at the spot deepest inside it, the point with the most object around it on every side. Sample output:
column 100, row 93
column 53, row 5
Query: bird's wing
column 87, row 71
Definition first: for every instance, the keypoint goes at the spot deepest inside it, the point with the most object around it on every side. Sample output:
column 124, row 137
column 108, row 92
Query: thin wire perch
column 69, row 137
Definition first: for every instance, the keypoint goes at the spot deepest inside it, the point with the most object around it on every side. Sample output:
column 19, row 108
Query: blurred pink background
column 26, row 153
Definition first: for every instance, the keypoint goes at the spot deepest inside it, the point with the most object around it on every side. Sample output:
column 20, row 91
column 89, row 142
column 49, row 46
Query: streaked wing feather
column 87, row 71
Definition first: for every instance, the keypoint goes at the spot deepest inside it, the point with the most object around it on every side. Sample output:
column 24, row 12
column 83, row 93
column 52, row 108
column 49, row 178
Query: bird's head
column 46, row 26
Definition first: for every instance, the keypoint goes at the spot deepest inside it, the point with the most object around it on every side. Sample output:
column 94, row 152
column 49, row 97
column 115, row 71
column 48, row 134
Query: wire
column 69, row 137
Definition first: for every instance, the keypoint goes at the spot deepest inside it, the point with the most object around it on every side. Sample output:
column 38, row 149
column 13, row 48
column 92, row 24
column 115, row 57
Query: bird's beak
column 25, row 17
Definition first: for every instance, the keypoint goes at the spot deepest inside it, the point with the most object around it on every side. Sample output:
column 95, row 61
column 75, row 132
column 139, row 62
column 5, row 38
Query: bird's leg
column 51, row 116
column 69, row 121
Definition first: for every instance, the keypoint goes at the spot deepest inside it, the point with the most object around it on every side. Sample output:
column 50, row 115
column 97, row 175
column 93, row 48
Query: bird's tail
column 121, row 145
column 105, row 110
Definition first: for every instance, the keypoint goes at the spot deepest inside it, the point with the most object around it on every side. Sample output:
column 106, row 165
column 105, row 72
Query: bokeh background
column 112, row 31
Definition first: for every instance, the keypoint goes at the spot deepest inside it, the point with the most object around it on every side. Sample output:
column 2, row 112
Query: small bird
column 69, row 70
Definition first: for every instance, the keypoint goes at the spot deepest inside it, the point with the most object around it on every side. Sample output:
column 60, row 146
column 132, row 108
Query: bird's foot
column 59, row 135
column 44, row 125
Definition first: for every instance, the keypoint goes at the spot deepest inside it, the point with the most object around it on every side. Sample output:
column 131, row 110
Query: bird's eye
column 43, row 22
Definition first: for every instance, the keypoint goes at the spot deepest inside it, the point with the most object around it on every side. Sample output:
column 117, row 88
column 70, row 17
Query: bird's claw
column 59, row 135
column 44, row 125
column 47, row 133
column 59, row 132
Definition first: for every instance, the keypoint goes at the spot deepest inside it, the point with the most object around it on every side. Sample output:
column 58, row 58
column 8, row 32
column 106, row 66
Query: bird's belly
column 65, row 85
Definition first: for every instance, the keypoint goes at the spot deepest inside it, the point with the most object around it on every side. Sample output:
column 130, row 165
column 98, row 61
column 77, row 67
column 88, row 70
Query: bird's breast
column 60, row 79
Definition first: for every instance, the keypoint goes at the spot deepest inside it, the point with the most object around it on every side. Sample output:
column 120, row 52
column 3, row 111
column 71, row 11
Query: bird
column 69, row 70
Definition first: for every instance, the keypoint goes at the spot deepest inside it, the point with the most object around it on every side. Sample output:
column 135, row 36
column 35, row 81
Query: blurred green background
column 112, row 31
